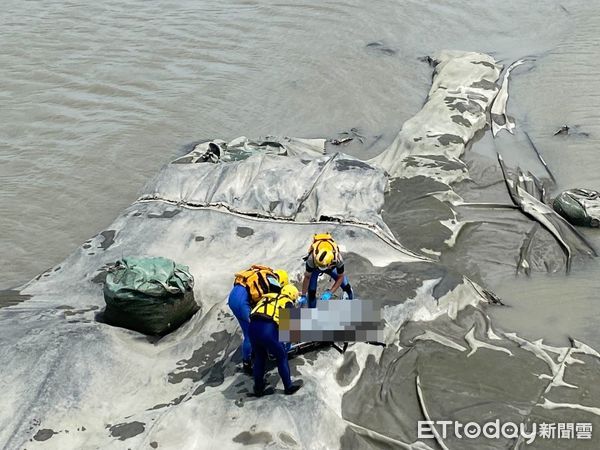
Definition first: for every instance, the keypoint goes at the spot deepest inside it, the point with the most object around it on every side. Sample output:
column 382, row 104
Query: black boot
column 294, row 387
column 258, row 391
column 265, row 389
column 247, row 367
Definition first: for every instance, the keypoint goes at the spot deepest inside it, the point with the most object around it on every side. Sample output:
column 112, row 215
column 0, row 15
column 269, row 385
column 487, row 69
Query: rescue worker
column 264, row 336
column 249, row 286
column 323, row 257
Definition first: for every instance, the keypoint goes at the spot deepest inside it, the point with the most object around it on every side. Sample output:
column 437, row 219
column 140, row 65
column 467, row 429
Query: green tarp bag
column 150, row 295
column 579, row 206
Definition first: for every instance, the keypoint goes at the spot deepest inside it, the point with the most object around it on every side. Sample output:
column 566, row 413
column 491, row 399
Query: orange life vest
column 256, row 281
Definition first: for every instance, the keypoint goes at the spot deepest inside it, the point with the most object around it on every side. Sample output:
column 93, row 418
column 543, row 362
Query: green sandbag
column 150, row 295
column 579, row 206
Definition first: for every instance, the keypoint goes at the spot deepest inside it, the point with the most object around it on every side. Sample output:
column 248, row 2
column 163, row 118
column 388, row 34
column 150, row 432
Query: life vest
column 268, row 307
column 319, row 240
column 258, row 281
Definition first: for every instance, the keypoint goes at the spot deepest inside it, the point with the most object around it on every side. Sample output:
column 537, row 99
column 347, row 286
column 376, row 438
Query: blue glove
column 302, row 300
column 326, row 295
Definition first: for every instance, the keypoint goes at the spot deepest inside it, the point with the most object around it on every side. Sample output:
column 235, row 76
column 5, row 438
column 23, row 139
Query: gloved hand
column 326, row 295
column 302, row 300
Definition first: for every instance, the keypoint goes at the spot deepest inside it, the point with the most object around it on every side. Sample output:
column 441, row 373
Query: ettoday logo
column 428, row 429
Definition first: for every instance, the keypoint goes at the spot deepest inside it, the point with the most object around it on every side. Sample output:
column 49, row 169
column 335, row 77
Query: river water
column 96, row 97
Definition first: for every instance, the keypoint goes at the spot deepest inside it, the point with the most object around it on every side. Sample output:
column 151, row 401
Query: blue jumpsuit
column 264, row 336
column 314, row 278
column 239, row 303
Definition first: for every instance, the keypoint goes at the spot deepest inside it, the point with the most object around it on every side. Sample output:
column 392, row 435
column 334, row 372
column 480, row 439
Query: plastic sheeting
column 333, row 187
column 527, row 193
column 430, row 143
column 149, row 276
column 183, row 391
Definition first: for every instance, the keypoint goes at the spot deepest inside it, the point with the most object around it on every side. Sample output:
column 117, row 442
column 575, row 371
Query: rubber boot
column 296, row 385
column 265, row 389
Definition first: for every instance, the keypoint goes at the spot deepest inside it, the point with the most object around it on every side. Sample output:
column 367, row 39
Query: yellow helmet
column 323, row 254
column 283, row 277
column 290, row 291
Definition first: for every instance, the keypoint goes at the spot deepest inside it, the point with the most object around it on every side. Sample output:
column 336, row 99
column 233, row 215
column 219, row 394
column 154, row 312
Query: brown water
column 96, row 97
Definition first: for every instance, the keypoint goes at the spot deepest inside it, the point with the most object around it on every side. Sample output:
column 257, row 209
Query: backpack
column 256, row 281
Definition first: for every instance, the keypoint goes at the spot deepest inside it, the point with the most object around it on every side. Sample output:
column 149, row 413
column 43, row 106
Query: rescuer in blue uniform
column 249, row 287
column 264, row 337
column 323, row 257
